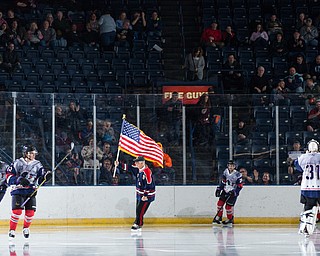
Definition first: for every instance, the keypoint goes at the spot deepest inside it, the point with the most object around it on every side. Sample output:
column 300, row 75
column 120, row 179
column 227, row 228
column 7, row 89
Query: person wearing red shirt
column 212, row 36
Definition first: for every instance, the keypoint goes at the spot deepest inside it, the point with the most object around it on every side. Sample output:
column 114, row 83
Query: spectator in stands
column 301, row 21
column 122, row 17
column 296, row 46
column 241, row 132
column 278, row 47
column 314, row 118
column 294, row 81
column 301, row 66
column 74, row 36
column 311, row 88
column 90, row 37
column 107, row 30
column 86, row 133
column 124, row 37
column 246, row 179
column 49, row 35
column 259, row 82
column 74, row 164
column 212, row 36
column 4, row 34
column 203, row 126
column 94, row 22
column 106, row 172
column 139, row 24
column 106, row 132
column 2, row 20
column 293, row 153
column 34, row 35
column 87, row 153
column 63, row 142
column 194, row 64
column 60, row 118
column 314, row 69
column 107, row 151
column 11, row 60
column 274, row 27
column 229, row 38
column 259, row 38
column 232, row 77
column 154, row 26
column 50, row 19
column 17, row 34
column 256, row 179
column 309, row 33
column 74, row 116
column 173, row 108
column 279, row 92
column 11, row 17
column 62, row 27
column 266, row 179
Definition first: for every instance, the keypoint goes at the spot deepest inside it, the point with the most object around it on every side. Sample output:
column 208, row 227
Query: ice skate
column 26, row 233
column 12, row 234
column 228, row 223
column 217, row 220
column 135, row 227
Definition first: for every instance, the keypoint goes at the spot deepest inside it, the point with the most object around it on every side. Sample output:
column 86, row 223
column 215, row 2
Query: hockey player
column 145, row 190
column 308, row 164
column 228, row 192
column 3, row 182
column 23, row 176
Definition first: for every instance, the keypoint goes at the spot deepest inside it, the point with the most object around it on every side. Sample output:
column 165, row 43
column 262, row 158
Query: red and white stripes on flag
column 134, row 142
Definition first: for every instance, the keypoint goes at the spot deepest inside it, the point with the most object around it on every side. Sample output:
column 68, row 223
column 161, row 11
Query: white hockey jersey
column 309, row 165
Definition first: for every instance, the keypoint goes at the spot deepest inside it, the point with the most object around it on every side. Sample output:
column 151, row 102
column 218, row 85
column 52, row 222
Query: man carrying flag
column 134, row 142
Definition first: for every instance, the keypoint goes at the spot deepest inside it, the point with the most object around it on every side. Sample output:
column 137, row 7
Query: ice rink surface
column 174, row 240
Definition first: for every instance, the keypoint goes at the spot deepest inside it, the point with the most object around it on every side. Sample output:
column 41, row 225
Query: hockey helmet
column 29, row 148
column 313, row 146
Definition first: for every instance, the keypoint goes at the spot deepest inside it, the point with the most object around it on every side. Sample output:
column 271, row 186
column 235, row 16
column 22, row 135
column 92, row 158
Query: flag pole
column 118, row 153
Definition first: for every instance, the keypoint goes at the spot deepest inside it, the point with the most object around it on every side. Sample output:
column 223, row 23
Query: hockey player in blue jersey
column 228, row 192
column 23, row 176
column 309, row 165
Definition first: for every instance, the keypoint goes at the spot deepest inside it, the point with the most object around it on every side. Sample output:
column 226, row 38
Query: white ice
column 174, row 240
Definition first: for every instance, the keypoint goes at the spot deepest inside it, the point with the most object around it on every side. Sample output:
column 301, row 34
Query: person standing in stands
column 195, row 63
column 107, row 30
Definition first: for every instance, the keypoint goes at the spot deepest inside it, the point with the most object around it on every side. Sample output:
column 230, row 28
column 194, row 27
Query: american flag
column 134, row 142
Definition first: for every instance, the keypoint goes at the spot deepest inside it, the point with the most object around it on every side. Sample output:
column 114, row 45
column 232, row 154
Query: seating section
column 243, row 16
column 86, row 64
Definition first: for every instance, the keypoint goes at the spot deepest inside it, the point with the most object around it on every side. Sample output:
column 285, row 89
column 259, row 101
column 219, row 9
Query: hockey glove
column 3, row 187
column 218, row 192
column 24, row 182
column 232, row 193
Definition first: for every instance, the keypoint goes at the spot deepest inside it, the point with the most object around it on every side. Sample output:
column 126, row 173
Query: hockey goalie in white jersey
column 309, row 165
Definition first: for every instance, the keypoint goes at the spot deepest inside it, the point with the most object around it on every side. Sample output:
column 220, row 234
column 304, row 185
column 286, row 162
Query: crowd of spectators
column 99, row 28
column 265, row 41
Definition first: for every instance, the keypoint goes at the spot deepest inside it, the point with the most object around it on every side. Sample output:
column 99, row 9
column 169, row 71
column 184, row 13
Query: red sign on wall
column 188, row 94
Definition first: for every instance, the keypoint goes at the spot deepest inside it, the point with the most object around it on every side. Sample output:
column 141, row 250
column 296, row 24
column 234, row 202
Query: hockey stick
column 46, row 178
column 71, row 148
column 221, row 208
